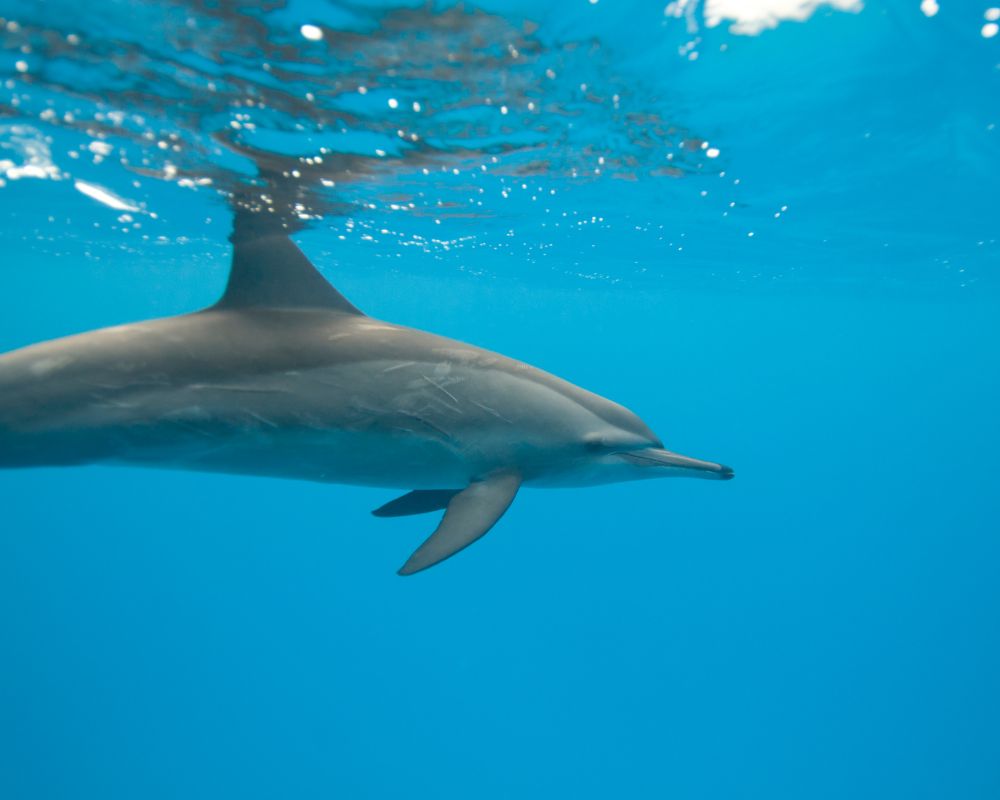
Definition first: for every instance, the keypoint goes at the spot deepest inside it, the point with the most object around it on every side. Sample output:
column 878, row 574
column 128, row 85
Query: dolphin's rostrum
column 285, row 377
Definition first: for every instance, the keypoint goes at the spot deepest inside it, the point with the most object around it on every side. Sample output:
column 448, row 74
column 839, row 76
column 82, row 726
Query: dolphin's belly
column 365, row 459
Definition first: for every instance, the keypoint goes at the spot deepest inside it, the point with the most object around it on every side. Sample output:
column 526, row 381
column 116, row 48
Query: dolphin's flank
column 284, row 377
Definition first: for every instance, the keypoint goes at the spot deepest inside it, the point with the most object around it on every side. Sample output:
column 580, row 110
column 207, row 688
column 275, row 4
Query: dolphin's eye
column 595, row 444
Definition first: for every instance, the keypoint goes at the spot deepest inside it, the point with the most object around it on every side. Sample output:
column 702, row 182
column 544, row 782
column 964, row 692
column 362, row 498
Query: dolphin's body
column 284, row 377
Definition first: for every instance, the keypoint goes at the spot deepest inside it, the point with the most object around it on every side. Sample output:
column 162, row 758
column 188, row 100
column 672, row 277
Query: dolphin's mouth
column 693, row 467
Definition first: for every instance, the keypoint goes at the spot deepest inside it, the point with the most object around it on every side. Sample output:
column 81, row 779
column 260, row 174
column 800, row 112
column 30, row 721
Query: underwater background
column 769, row 227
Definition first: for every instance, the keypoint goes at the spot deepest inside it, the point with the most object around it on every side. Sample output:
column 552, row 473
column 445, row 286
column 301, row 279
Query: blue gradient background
column 824, row 626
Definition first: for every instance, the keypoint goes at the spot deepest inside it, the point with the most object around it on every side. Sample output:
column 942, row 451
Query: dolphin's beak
column 690, row 467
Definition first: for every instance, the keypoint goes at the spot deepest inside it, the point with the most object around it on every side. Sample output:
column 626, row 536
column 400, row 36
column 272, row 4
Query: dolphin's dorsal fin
column 269, row 271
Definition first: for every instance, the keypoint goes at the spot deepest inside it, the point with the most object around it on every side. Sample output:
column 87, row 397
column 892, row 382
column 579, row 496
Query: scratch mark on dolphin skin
column 100, row 402
column 437, row 385
column 492, row 411
column 202, row 431
column 249, row 389
column 262, row 420
column 403, row 365
column 426, row 422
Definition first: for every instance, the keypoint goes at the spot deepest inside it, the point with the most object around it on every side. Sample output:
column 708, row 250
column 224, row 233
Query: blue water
column 823, row 626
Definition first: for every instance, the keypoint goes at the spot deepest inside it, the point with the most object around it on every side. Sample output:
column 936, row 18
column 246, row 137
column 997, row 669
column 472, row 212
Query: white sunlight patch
column 311, row 32
column 25, row 153
column 102, row 195
column 750, row 17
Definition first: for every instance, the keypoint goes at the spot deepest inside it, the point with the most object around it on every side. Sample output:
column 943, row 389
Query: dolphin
column 284, row 377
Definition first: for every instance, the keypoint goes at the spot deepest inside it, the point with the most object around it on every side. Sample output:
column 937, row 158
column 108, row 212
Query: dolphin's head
column 611, row 458
column 615, row 462
column 621, row 447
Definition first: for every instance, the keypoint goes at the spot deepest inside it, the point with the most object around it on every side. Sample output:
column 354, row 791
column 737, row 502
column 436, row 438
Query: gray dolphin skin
column 284, row 377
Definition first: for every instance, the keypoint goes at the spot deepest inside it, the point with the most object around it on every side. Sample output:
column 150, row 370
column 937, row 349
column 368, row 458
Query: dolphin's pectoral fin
column 471, row 513
column 419, row 501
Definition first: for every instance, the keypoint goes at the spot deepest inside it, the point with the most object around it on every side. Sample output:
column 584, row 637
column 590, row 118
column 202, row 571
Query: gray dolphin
column 284, row 377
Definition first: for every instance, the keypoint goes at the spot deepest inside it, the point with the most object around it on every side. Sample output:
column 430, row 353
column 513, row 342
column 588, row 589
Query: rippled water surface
column 769, row 227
